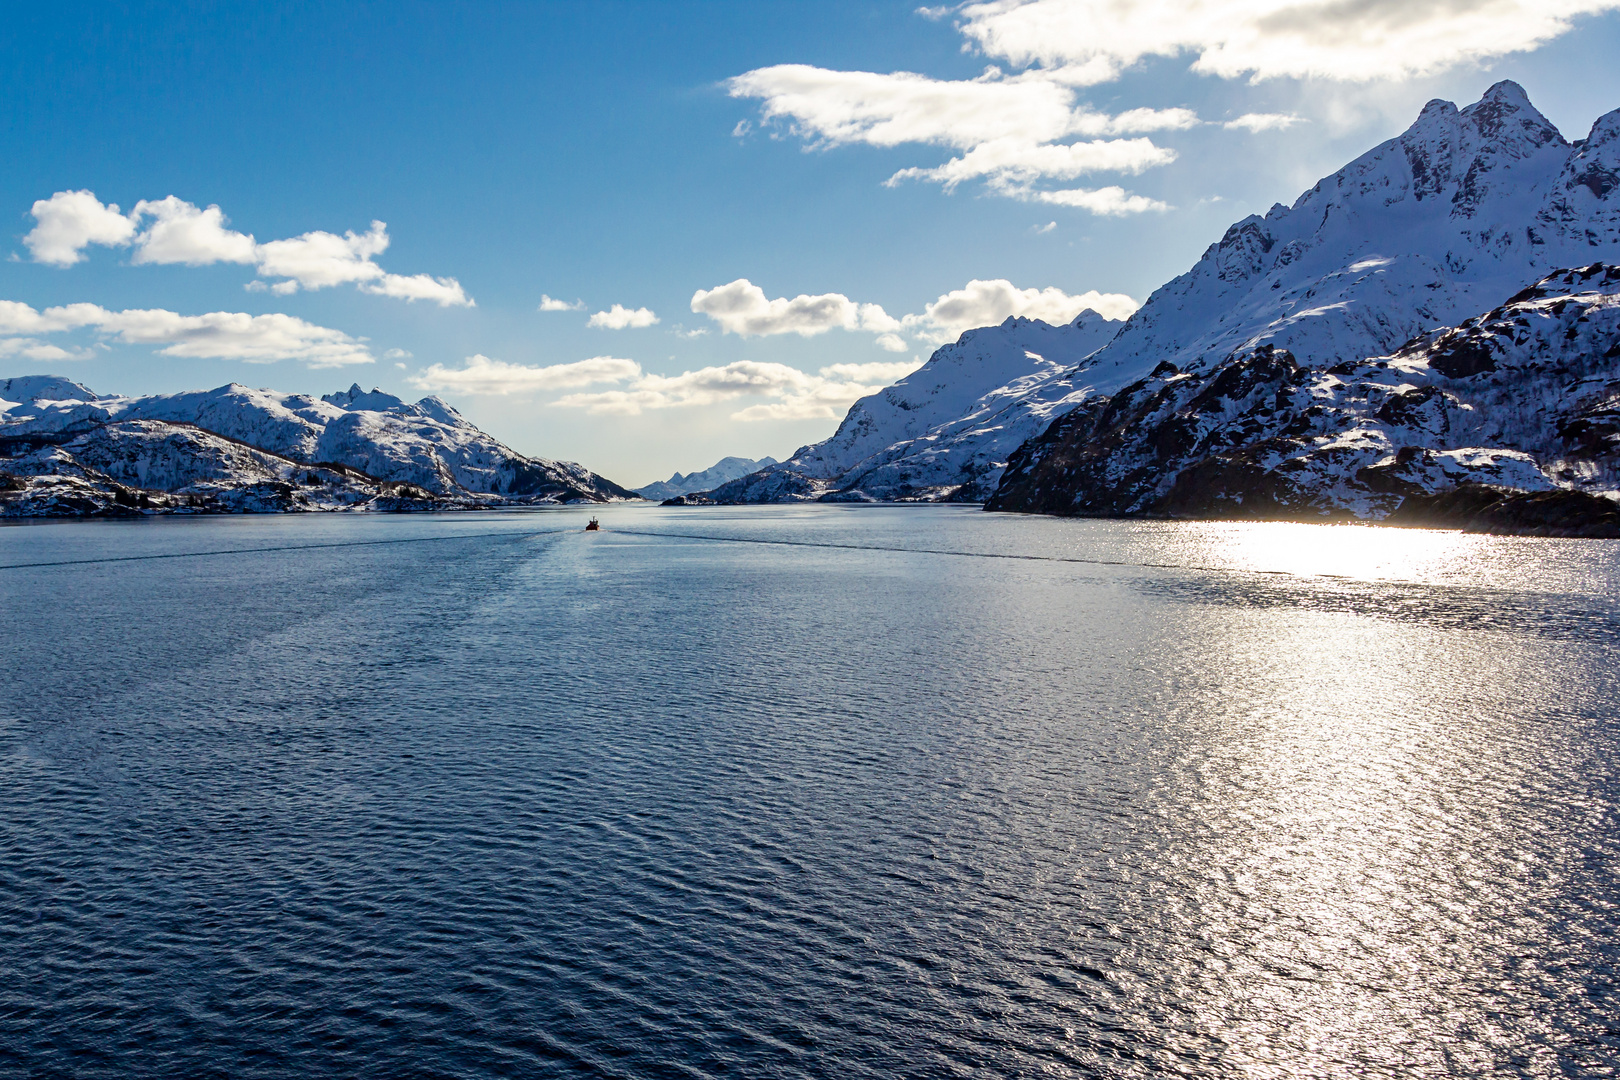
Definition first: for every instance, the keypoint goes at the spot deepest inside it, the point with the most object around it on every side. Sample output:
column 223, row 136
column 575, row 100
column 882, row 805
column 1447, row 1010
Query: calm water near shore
column 907, row 791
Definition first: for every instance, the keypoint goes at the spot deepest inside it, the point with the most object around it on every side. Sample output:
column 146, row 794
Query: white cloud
column 1112, row 201
column 180, row 232
column 619, row 317
column 446, row 292
column 1015, row 128
column 548, row 304
column 881, row 372
column 1042, row 230
column 34, row 349
column 69, row 221
column 397, row 354
column 798, row 395
column 481, row 375
column 218, row 335
column 986, row 303
column 1009, row 125
column 1009, row 161
column 317, row 260
column 1262, row 122
column 1350, row 40
column 741, row 308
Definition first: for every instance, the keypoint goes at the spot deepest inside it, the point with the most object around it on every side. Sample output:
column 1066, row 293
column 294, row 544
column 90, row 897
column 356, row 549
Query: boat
column 593, row 526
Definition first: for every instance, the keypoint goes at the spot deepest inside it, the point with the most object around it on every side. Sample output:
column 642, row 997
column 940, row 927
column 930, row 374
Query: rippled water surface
column 901, row 792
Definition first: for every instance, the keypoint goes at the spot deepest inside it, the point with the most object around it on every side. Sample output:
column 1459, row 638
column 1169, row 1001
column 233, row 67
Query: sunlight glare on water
column 485, row 795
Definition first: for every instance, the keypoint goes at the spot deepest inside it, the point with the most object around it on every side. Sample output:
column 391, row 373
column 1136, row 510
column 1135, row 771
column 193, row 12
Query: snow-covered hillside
column 1462, row 210
column 1525, row 398
column 727, row 468
column 945, row 430
column 236, row 437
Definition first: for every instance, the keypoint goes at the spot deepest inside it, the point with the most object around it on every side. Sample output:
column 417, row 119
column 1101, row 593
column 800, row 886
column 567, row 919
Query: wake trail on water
column 280, row 547
column 976, row 554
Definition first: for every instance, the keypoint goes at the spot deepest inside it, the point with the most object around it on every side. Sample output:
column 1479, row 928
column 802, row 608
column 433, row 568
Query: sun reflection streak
column 1361, row 552
column 1350, row 811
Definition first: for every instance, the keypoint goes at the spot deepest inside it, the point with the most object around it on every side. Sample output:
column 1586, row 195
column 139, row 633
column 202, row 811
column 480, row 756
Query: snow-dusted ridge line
column 246, row 447
column 1426, row 230
column 1524, row 399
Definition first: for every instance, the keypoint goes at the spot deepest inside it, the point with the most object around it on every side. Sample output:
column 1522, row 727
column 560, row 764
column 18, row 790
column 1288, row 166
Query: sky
column 644, row 236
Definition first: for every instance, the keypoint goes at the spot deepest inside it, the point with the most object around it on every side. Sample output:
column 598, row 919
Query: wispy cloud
column 1010, row 127
column 1023, row 122
column 218, row 335
column 173, row 231
column 1263, row 122
column 548, row 304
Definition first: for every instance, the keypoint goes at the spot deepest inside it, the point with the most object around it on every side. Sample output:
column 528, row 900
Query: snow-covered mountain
column 945, row 430
column 219, row 448
column 1524, row 399
column 1426, row 230
column 727, row 468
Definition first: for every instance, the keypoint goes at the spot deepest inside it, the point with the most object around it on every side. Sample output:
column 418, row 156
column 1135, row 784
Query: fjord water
column 486, row 795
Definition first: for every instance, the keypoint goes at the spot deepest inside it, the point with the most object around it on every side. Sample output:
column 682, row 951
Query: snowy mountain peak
column 354, row 399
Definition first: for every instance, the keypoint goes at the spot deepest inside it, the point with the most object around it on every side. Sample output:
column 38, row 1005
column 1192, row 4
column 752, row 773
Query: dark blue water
column 484, row 795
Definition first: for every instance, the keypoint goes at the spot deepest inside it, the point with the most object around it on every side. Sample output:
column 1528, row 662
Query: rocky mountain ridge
column 1524, row 399
column 727, row 468
column 1423, row 232
column 66, row 449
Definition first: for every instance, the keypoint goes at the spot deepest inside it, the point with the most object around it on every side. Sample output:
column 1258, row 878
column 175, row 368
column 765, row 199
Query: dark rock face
column 1507, row 422
column 1482, row 508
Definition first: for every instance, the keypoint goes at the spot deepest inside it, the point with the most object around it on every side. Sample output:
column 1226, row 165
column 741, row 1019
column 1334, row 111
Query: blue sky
column 637, row 154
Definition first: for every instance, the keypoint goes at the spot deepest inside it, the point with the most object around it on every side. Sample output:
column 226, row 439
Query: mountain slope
column 374, row 440
column 1463, row 209
column 945, row 430
column 1525, row 398
column 727, row 468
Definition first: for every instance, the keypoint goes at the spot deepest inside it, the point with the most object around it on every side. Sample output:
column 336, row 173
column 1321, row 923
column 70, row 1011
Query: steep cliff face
column 204, row 445
column 1524, row 398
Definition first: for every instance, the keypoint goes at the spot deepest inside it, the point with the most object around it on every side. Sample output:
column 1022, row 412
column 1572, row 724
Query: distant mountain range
column 64, row 449
column 727, row 468
column 1315, row 324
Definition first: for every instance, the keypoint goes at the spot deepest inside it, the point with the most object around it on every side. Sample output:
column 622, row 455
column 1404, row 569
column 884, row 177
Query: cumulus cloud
column 797, row 395
column 481, row 375
column 180, row 232
column 34, row 349
column 218, row 335
column 742, row 308
column 69, row 221
column 619, row 317
column 548, row 304
column 1348, row 40
column 986, row 303
column 791, row 394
